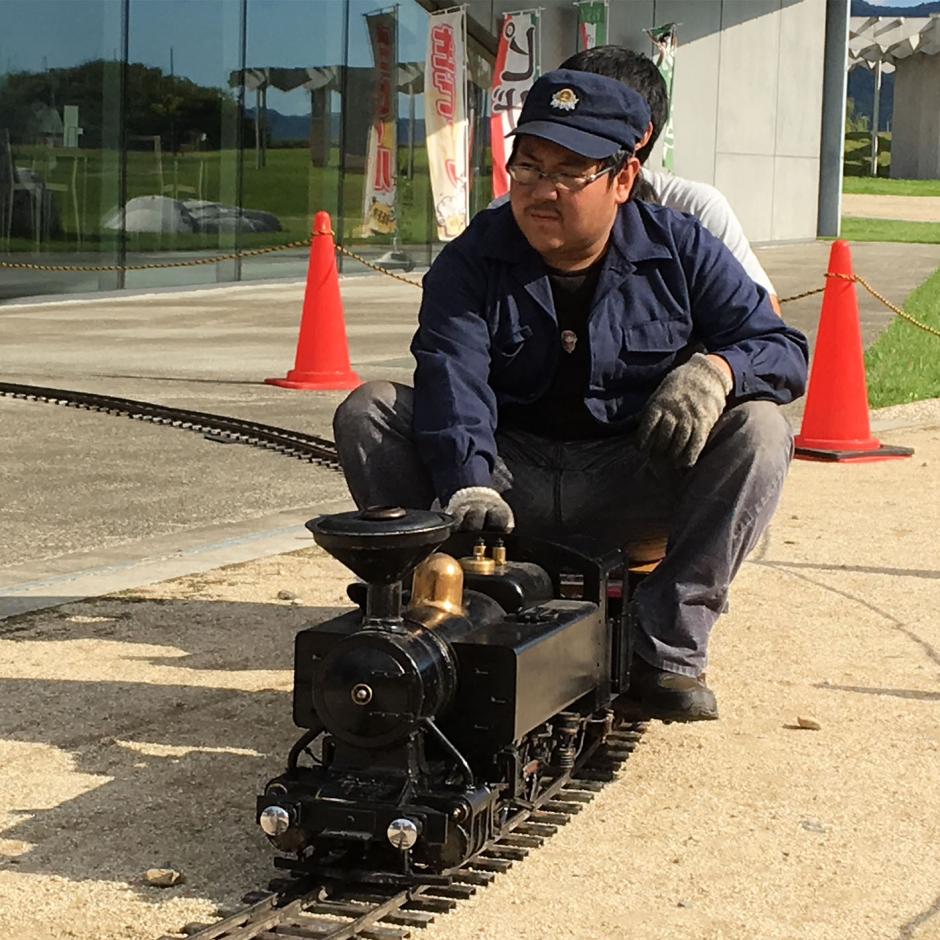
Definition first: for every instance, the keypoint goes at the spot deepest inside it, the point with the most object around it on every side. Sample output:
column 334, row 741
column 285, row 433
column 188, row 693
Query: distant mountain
column 861, row 8
column 296, row 127
column 284, row 127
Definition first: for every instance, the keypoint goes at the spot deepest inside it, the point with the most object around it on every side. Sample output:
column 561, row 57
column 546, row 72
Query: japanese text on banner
column 446, row 124
column 517, row 67
column 378, row 203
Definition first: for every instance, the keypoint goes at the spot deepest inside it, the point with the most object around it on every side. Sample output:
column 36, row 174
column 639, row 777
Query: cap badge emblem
column 564, row 100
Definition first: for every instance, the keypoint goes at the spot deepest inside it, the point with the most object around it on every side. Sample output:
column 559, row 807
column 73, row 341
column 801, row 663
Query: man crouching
column 558, row 388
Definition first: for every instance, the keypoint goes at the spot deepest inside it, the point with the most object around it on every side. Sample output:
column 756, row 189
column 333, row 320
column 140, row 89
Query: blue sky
column 39, row 34
column 202, row 34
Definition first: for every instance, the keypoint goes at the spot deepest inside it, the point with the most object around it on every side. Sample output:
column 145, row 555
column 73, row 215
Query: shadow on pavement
column 107, row 777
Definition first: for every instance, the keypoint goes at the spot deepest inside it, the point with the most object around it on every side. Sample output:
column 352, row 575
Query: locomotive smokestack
column 383, row 604
column 381, row 545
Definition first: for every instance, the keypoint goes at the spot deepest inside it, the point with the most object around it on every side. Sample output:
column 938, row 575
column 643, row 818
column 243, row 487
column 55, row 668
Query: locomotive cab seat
column 642, row 556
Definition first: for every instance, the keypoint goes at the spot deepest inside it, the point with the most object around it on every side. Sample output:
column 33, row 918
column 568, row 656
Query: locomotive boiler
column 431, row 713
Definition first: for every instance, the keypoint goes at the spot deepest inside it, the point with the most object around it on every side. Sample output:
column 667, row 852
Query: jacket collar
column 631, row 241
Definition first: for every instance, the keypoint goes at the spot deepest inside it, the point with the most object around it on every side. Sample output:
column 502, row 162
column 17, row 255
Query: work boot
column 668, row 696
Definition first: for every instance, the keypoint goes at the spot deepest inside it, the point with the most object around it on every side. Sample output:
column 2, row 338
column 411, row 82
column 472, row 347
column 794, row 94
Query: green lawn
column 288, row 186
column 857, row 160
column 857, row 170
column 903, row 365
column 889, row 230
column 869, row 186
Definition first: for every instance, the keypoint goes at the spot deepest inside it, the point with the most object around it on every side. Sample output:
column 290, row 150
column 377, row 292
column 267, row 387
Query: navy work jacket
column 487, row 332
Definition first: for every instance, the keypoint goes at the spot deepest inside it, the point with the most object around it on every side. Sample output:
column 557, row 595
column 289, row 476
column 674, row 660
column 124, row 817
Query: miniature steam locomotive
column 432, row 714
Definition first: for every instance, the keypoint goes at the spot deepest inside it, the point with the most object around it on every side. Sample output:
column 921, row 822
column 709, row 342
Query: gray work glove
column 478, row 507
column 683, row 410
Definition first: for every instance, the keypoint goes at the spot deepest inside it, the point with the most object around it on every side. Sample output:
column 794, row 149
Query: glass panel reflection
column 240, row 120
column 182, row 133
column 293, row 106
column 59, row 140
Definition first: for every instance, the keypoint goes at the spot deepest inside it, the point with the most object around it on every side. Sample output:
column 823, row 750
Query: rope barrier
column 895, row 310
column 253, row 252
column 188, row 263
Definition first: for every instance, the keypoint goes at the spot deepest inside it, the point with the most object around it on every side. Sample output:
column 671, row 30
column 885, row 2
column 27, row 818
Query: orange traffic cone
column 322, row 361
column 835, row 422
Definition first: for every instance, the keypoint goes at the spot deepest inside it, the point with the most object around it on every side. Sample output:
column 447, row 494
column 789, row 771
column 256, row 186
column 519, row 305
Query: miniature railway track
column 217, row 428
column 299, row 908
column 302, row 908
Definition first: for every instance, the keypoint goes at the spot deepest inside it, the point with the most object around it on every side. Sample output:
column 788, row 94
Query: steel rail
column 301, row 908
column 220, row 428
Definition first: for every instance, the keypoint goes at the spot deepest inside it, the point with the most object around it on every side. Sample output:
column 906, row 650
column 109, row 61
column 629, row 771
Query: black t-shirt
column 561, row 413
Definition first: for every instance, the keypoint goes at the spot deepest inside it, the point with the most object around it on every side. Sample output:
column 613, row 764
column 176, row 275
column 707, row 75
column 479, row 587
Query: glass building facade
column 155, row 131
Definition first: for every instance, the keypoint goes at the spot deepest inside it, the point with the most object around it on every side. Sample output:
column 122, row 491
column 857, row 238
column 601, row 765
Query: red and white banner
column 378, row 199
column 445, row 121
column 517, row 67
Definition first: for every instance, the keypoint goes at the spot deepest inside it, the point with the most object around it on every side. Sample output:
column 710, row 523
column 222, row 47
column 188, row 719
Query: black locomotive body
column 429, row 718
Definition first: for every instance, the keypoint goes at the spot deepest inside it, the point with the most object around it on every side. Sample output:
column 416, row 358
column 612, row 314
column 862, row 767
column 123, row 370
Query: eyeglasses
column 528, row 175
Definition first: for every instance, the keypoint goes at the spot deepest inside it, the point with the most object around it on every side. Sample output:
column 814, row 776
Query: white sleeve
column 711, row 208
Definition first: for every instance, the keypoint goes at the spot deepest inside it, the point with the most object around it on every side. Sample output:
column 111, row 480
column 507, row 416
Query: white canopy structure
column 909, row 46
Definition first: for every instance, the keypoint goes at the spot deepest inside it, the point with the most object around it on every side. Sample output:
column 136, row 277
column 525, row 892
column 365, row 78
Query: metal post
column 876, row 115
column 411, row 131
column 258, row 128
column 832, row 136
column 339, row 224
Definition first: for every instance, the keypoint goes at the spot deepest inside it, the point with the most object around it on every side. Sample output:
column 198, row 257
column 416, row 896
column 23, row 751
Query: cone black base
column 885, row 452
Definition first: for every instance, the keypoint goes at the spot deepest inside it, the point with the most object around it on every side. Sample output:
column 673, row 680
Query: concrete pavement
column 116, row 503
column 906, row 208
column 138, row 726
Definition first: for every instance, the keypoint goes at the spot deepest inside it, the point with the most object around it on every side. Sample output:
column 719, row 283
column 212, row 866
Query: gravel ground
column 136, row 729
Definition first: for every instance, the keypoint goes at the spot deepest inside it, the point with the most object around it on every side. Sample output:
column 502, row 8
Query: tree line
column 179, row 111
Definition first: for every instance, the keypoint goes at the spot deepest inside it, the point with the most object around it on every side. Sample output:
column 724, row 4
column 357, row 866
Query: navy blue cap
column 592, row 115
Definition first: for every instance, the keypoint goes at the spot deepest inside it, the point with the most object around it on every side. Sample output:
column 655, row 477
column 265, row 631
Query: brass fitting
column 479, row 563
column 438, row 583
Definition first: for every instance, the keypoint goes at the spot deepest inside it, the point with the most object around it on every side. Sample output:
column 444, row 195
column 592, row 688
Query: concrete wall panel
column 747, row 79
column 796, row 190
column 695, row 96
column 908, row 120
column 627, row 22
column 799, row 82
column 747, row 99
column 747, row 182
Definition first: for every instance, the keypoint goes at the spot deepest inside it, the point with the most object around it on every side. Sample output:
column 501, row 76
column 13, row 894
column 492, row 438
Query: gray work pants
column 606, row 489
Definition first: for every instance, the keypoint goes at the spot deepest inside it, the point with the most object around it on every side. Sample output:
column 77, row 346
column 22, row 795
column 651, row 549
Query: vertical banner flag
column 445, row 121
column 592, row 23
column 378, row 200
column 666, row 39
column 517, row 67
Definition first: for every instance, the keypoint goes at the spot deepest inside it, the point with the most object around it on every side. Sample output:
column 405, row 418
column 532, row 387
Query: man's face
column 569, row 229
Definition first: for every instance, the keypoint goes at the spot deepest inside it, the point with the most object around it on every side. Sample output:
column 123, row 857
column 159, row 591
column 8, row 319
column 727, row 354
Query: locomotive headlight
column 402, row 833
column 274, row 820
